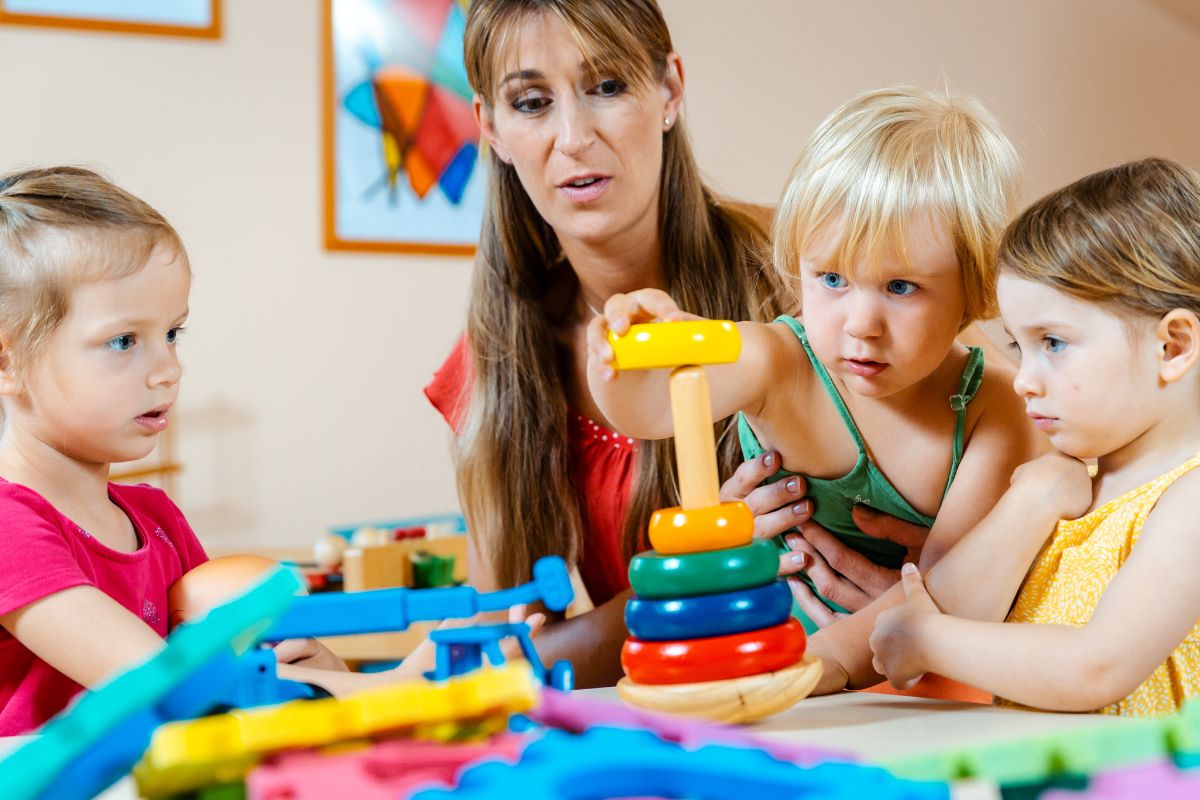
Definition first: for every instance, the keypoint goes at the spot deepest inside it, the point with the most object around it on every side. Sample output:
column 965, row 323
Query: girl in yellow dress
column 1100, row 288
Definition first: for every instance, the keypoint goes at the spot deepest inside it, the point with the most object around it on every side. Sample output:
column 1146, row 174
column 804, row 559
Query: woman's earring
column 667, row 121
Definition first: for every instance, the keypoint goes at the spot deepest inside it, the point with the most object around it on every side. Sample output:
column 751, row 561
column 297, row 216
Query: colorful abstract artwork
column 402, row 147
column 201, row 18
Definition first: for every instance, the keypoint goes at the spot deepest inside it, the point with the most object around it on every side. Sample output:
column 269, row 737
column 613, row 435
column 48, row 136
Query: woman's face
column 586, row 147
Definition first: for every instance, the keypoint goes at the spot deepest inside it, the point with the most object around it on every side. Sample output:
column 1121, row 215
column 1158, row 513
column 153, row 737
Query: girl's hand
column 308, row 653
column 1057, row 483
column 622, row 311
column 896, row 638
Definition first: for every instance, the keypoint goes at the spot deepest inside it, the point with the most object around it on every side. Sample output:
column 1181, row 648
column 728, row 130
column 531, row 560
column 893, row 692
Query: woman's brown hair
column 512, row 451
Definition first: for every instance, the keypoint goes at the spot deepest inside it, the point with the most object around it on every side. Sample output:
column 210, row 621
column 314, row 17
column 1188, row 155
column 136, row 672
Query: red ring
column 714, row 658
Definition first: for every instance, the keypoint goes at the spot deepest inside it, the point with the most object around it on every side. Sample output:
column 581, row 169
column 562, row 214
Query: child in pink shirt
column 93, row 296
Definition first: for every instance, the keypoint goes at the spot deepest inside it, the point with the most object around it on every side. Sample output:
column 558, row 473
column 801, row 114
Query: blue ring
column 710, row 614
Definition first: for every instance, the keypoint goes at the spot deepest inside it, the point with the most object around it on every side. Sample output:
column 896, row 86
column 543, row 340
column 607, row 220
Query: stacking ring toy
column 659, row 345
column 653, row 576
column 719, row 527
column 709, row 614
column 716, row 658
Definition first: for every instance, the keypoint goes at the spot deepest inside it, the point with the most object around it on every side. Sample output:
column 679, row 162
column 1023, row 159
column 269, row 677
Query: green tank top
column 833, row 500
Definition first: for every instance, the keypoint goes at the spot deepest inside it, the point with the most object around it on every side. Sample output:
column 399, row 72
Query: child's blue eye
column 1054, row 344
column 901, row 288
column 122, row 343
column 173, row 335
column 831, row 280
column 1014, row 346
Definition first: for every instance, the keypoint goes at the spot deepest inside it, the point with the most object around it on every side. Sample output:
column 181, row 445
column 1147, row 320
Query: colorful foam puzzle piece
column 382, row 771
column 613, row 762
column 576, row 713
column 1162, row 781
column 184, row 756
column 95, row 741
column 1078, row 752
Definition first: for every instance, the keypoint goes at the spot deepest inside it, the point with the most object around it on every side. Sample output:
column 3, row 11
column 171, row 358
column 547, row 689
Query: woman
column 594, row 191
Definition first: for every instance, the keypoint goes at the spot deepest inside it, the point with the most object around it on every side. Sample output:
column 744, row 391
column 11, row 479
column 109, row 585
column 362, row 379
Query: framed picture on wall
column 200, row 18
column 402, row 171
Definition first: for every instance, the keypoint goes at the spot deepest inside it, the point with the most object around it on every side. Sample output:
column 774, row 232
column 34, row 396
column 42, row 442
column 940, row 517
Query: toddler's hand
column 895, row 640
column 1056, row 482
column 620, row 312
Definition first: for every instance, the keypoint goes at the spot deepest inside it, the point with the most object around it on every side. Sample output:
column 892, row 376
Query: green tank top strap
column 968, row 385
column 826, row 381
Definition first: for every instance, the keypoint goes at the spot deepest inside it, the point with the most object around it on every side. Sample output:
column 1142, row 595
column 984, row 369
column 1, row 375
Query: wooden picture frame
column 402, row 169
column 190, row 18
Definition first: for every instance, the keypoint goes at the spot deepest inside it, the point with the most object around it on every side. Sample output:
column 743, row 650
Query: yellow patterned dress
column 1074, row 569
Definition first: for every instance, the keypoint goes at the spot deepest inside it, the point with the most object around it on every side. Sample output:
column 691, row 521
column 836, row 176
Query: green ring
column 655, row 576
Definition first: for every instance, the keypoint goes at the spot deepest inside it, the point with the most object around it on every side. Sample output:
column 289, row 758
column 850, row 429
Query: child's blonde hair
column 890, row 153
column 1126, row 237
column 60, row 226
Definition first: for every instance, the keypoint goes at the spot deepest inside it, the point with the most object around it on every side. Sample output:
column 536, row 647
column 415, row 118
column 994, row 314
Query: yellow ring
column 675, row 530
column 657, row 345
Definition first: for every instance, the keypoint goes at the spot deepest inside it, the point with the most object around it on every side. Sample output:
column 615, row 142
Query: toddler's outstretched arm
column 637, row 402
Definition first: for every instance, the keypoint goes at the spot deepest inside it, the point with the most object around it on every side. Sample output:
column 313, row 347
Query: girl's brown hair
column 1126, row 237
column 512, row 450
column 59, row 226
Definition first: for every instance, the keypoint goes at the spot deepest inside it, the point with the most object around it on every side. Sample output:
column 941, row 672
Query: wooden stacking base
column 735, row 700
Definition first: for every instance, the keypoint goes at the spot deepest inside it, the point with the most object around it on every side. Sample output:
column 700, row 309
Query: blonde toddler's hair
column 887, row 155
column 60, row 226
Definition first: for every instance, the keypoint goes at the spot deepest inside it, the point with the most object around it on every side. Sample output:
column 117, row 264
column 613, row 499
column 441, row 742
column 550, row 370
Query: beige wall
column 301, row 405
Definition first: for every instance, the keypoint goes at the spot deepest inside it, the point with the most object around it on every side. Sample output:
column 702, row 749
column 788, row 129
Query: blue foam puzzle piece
column 614, row 762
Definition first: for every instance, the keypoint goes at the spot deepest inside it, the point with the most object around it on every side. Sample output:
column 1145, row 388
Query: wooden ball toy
column 212, row 583
column 328, row 552
column 371, row 537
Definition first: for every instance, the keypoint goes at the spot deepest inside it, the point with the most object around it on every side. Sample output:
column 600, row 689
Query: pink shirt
column 43, row 552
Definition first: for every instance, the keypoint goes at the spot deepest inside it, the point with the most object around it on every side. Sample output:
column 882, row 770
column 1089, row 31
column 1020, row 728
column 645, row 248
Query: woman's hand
column 840, row 573
column 896, row 640
column 622, row 311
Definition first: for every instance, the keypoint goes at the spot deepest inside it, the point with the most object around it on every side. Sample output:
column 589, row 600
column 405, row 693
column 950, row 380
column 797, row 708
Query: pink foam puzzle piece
column 1162, row 781
column 384, row 771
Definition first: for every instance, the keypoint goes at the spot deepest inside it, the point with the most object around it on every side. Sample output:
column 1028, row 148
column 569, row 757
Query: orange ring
column 714, row 658
column 676, row 530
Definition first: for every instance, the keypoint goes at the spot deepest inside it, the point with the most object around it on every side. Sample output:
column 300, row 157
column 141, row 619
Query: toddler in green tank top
column 887, row 233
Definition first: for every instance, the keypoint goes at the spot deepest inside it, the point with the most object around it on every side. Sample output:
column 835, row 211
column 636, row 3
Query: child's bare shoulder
column 1176, row 510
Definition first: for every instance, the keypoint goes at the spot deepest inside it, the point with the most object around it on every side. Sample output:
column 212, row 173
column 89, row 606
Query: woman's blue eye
column 1054, row 344
column 121, row 343
column 831, row 280
column 901, row 288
